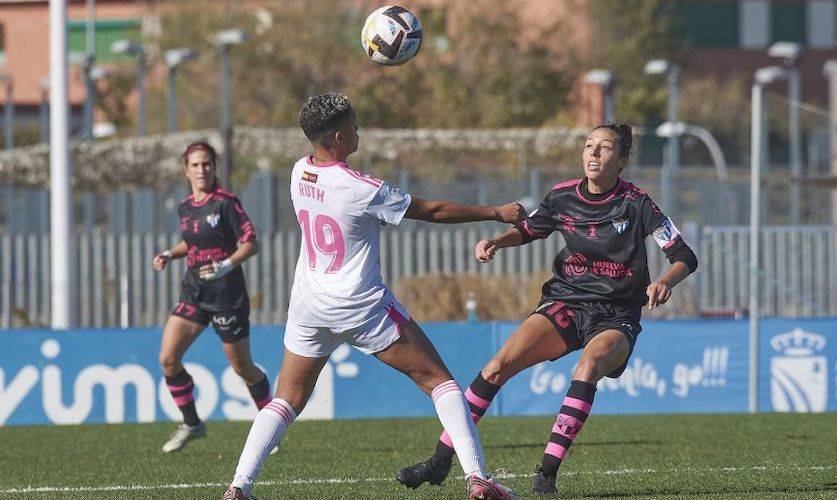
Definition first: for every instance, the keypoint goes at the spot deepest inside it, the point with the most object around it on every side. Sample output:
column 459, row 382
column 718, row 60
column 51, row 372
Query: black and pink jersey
column 604, row 258
column 212, row 229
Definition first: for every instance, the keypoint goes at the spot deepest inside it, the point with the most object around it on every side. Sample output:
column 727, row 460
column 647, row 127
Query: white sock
column 266, row 432
column 455, row 415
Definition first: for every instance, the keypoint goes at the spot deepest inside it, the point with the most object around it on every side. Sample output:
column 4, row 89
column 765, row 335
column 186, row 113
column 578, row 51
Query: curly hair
column 322, row 115
column 625, row 134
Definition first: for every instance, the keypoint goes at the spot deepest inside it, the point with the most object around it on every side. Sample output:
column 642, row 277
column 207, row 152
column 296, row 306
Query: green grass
column 655, row 456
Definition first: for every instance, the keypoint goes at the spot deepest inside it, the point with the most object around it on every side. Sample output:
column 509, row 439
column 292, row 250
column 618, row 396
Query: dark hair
column 322, row 115
column 213, row 158
column 625, row 134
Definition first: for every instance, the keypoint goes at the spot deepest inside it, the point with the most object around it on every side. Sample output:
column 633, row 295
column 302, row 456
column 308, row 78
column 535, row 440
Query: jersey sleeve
column 238, row 220
column 655, row 223
column 540, row 223
column 388, row 204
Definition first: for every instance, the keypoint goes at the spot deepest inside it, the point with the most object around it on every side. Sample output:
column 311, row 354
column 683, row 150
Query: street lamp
column 679, row 129
column 758, row 141
column 789, row 52
column 8, row 112
column 174, row 58
column 224, row 39
column 133, row 48
column 604, row 78
column 672, row 156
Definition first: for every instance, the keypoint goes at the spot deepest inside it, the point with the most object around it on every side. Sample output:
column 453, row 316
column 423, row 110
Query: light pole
column 758, row 143
column 135, row 49
column 668, row 130
column 224, row 39
column 668, row 175
column 789, row 52
column 174, row 58
column 43, row 112
column 604, row 78
column 8, row 112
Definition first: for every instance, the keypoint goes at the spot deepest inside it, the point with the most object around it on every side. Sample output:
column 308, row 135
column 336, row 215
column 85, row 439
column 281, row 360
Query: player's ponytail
column 213, row 157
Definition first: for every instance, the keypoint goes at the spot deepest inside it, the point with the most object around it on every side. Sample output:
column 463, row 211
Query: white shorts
column 375, row 334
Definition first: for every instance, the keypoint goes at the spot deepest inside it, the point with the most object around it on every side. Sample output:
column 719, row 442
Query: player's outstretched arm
column 448, row 212
column 484, row 250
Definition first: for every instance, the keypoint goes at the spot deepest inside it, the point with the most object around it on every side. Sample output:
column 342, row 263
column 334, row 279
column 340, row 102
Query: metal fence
column 116, row 285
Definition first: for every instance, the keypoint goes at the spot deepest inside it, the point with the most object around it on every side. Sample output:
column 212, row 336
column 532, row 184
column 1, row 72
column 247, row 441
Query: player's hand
column 215, row 270
column 485, row 250
column 658, row 293
column 161, row 260
column 510, row 212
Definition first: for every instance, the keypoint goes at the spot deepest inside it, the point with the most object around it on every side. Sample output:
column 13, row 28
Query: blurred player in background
column 217, row 238
column 338, row 294
column 593, row 302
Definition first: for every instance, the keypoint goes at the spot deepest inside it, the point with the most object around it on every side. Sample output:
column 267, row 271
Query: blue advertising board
column 112, row 375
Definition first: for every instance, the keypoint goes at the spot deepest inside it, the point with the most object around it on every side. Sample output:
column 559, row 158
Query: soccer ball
column 391, row 35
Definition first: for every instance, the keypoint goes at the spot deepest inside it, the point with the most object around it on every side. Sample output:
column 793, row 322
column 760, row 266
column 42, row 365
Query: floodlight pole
column 171, row 100
column 9, row 113
column 669, row 174
column 756, row 151
column 226, row 126
column 62, row 249
column 141, row 127
column 795, row 140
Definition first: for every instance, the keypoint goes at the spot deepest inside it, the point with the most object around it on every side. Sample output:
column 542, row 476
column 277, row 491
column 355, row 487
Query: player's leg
column 539, row 338
column 235, row 337
column 603, row 355
column 178, row 334
column 297, row 378
column 414, row 355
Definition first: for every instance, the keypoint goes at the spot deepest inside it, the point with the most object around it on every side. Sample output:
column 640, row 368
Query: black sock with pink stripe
column 182, row 388
column 260, row 392
column 479, row 395
column 571, row 418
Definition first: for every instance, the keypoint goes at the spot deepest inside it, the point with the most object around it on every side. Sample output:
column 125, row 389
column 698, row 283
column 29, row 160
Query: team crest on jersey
column 621, row 225
column 309, row 177
column 213, row 219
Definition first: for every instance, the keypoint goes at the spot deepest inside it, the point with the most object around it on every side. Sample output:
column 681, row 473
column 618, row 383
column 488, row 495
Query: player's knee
column 589, row 369
column 169, row 363
column 493, row 371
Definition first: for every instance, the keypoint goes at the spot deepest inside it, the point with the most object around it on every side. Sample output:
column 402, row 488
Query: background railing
column 116, row 286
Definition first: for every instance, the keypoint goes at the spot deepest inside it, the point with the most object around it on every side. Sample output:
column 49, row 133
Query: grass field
column 677, row 456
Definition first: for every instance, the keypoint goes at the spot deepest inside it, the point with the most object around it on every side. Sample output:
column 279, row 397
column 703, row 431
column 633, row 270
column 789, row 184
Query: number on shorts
column 327, row 239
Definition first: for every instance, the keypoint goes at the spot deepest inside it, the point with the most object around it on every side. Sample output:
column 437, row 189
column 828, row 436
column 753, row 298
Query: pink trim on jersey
column 670, row 243
column 396, row 316
column 530, row 232
column 357, row 175
column 567, row 184
column 620, row 187
column 556, row 450
column 203, row 201
column 312, row 163
column 184, row 399
column 445, row 438
column 476, row 400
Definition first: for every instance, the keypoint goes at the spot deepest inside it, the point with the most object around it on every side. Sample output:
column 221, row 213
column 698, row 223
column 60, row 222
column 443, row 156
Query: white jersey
column 338, row 275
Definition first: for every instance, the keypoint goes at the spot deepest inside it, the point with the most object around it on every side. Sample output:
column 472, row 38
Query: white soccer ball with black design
column 391, row 35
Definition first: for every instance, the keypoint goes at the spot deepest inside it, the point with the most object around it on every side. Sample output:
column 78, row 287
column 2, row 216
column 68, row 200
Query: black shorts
column 231, row 326
column 580, row 322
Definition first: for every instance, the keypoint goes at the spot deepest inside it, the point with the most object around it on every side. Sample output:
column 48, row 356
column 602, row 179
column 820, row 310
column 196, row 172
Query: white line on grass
column 500, row 474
